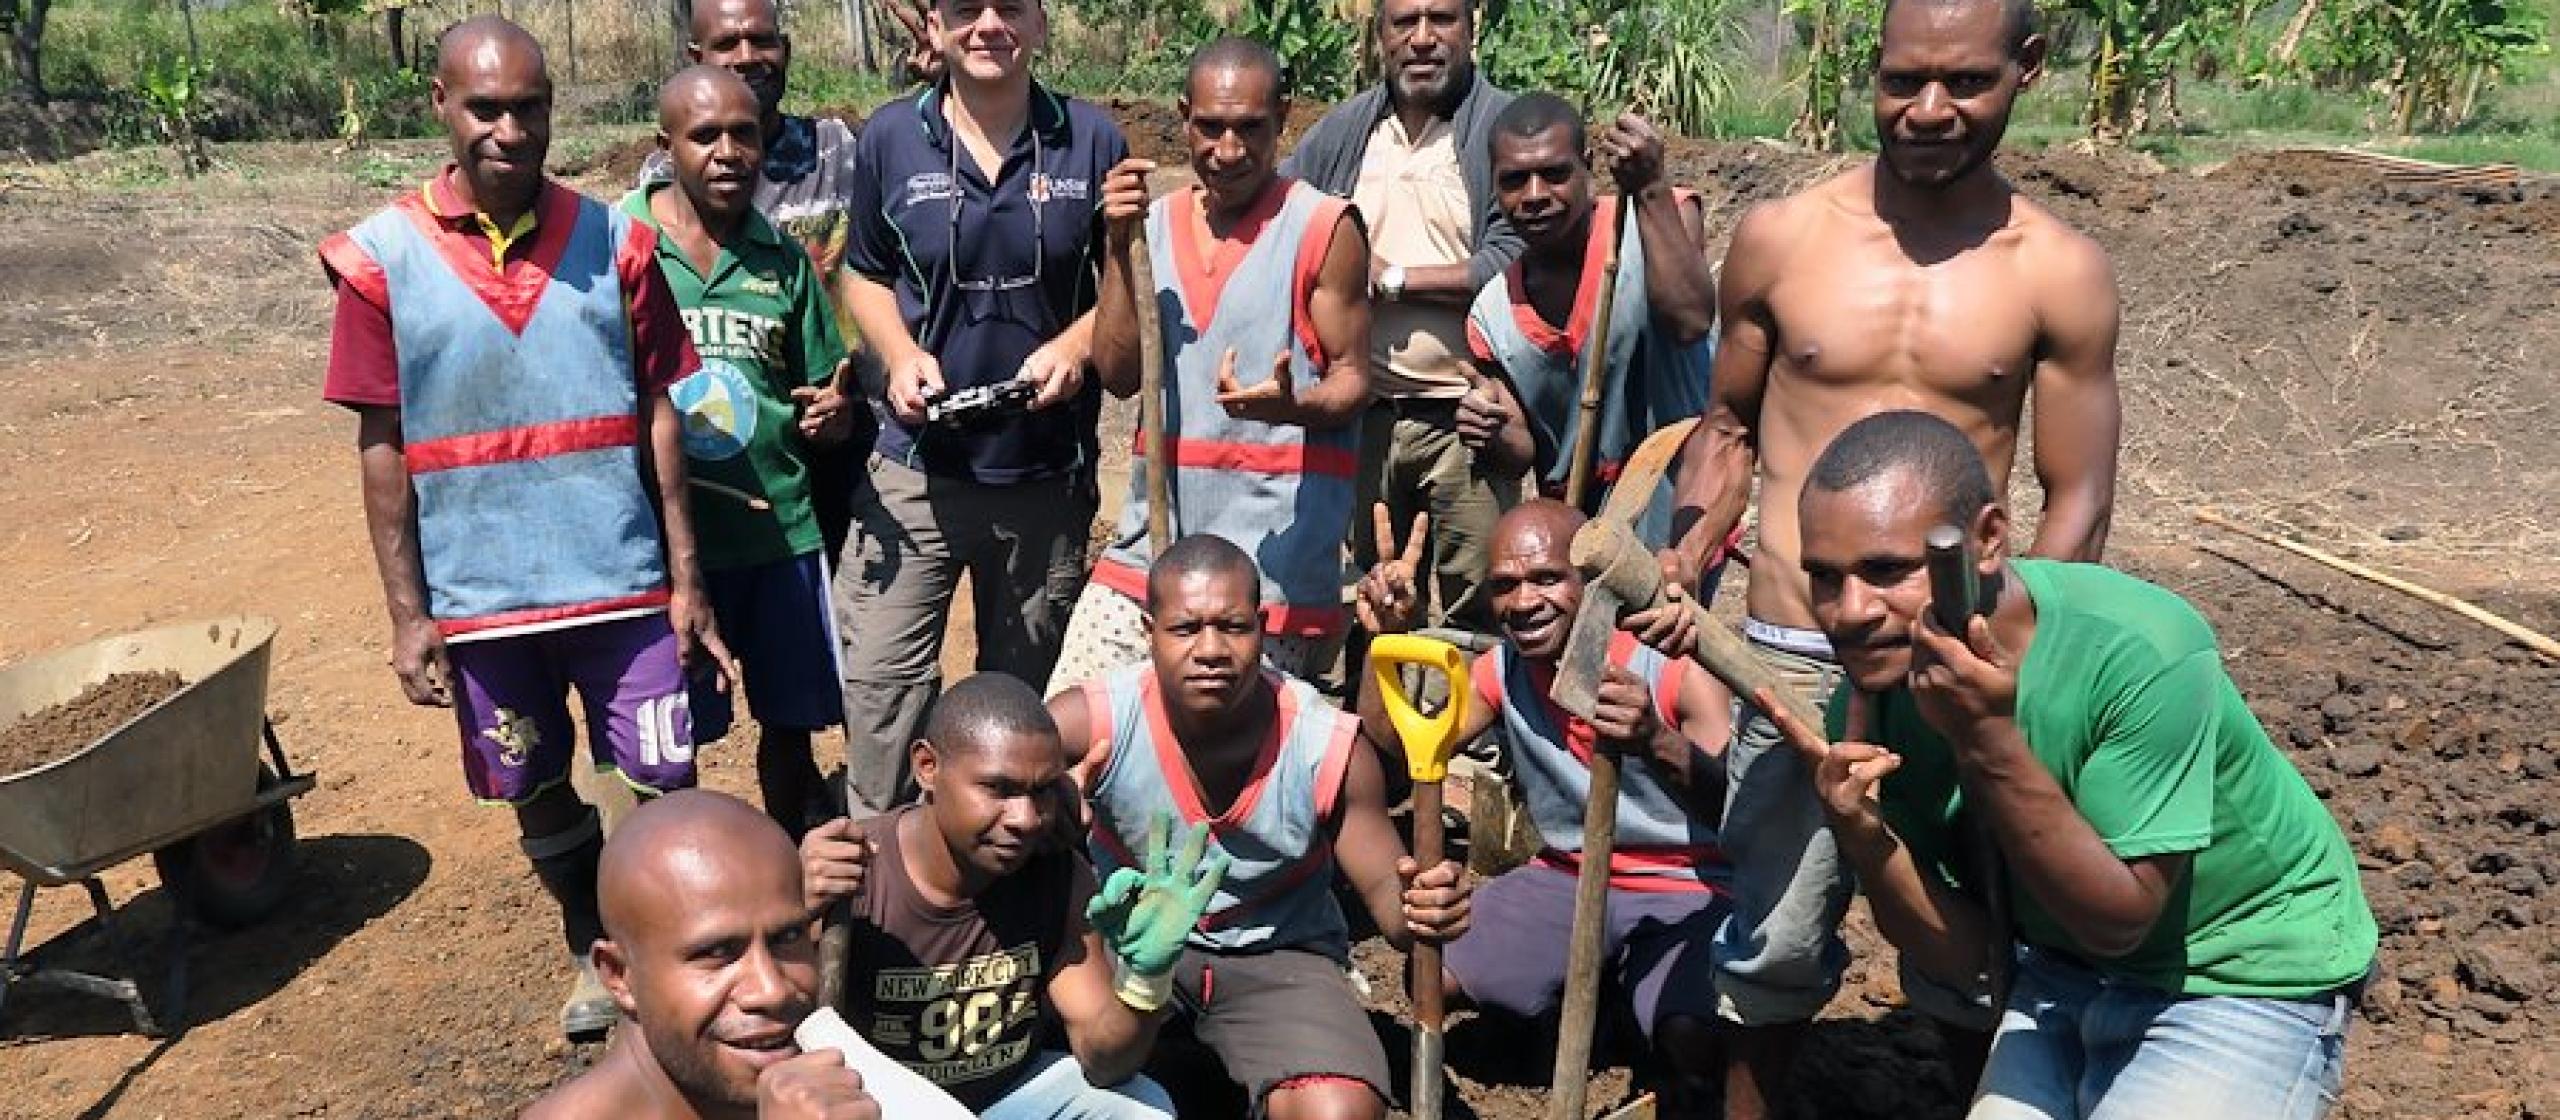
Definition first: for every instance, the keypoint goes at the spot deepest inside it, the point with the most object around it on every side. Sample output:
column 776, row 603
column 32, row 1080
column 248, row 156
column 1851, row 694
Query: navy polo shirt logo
column 929, row 186
column 1045, row 187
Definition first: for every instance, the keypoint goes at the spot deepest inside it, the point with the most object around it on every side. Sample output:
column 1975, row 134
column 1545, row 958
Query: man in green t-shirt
column 771, row 379
column 2189, row 936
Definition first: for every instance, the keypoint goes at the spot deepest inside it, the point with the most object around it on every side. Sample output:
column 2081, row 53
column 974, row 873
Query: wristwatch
column 1391, row 282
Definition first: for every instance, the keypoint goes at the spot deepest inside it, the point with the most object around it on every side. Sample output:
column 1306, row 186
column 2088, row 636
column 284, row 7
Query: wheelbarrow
column 197, row 780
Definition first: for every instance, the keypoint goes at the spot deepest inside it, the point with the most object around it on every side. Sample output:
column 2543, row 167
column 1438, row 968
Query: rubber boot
column 566, row 863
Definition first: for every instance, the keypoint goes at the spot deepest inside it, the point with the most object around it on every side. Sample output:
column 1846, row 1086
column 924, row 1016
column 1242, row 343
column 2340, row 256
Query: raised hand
column 1389, row 598
column 1846, row 774
column 1622, row 716
column 1632, row 149
column 1961, row 685
column 1668, row 626
column 1272, row 402
column 1145, row 913
column 1124, row 197
column 833, row 860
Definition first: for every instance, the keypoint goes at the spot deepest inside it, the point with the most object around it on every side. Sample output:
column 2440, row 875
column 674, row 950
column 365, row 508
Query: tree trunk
column 865, row 46
column 397, row 35
column 26, row 48
column 680, row 13
column 2291, row 40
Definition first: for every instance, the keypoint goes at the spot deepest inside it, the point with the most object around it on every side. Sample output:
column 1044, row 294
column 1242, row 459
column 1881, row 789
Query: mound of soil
column 64, row 728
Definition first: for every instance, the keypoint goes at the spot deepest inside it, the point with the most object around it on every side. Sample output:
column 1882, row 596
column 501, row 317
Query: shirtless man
column 1923, row 280
column 709, row 952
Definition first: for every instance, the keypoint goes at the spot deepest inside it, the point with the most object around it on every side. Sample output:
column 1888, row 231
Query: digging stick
column 1595, row 367
column 1955, row 598
column 2534, row 640
column 1142, row 284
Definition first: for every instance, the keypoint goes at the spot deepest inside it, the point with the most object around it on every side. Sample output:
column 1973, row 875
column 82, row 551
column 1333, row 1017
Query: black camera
column 980, row 404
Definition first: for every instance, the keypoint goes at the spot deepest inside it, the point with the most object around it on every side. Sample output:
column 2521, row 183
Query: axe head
column 1586, row 651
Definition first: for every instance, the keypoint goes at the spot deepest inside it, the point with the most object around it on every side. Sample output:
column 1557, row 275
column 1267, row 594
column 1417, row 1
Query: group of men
column 626, row 450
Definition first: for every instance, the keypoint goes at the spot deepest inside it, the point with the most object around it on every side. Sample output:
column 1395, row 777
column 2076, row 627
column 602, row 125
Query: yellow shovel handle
column 1428, row 740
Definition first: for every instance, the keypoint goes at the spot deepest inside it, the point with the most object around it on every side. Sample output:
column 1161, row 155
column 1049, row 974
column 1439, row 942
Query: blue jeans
column 2075, row 1044
column 1054, row 1088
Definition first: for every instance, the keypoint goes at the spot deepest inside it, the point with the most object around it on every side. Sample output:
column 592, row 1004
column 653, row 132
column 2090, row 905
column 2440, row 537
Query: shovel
column 1428, row 742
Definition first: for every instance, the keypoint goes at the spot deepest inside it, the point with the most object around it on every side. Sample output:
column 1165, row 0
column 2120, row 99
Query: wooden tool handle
column 1142, row 285
column 1429, row 1001
column 1583, row 964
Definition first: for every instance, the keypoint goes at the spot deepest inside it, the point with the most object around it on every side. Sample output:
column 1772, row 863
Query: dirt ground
column 2365, row 365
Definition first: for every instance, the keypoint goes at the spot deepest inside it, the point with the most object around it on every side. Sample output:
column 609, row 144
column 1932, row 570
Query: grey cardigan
column 1328, row 158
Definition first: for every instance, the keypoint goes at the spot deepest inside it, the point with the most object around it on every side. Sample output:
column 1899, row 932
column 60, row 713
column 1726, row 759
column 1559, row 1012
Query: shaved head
column 2017, row 17
column 684, row 844
column 710, row 15
column 486, row 42
column 986, row 711
column 709, row 945
column 696, row 88
column 1202, row 554
column 1541, row 518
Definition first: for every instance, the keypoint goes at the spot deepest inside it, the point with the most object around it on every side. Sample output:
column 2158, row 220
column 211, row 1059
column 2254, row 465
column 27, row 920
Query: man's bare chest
column 1964, row 327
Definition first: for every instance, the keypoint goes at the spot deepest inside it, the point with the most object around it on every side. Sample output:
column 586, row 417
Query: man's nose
column 1934, row 108
column 761, row 985
column 1860, row 601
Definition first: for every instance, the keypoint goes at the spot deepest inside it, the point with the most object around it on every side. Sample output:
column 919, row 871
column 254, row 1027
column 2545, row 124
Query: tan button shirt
column 1414, row 198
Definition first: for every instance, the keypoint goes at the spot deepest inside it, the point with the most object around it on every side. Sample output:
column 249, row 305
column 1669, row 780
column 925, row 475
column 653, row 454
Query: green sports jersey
column 763, row 328
column 2123, row 698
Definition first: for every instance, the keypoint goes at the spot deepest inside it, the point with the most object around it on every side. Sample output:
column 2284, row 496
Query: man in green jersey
column 2189, row 935
column 769, row 380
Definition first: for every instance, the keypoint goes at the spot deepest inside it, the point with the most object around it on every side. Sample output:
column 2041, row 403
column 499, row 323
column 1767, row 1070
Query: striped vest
column 520, row 412
column 1660, row 846
column 1653, row 381
column 1278, row 892
column 1282, row 493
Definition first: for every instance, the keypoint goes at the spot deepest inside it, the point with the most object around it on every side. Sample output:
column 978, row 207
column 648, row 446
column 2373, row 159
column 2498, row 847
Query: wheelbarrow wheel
column 237, row 872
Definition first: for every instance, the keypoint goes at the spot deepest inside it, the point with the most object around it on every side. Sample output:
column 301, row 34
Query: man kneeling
column 1667, row 876
column 969, row 929
column 2190, row 934
column 708, row 950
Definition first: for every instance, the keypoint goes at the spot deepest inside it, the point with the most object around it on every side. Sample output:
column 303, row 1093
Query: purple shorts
column 1512, row 958
column 775, row 618
column 512, row 702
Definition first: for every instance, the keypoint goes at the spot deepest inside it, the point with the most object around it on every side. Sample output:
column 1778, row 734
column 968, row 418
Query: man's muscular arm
column 1373, row 857
column 2078, row 415
column 1717, row 463
column 1340, row 308
column 391, row 520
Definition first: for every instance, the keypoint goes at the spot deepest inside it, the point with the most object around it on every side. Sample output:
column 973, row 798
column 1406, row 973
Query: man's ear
column 613, row 967
column 1990, row 539
column 435, row 95
column 926, row 764
column 663, row 139
column 2031, row 60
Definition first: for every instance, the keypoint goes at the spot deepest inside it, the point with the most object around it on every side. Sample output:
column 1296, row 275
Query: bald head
column 486, row 43
column 2018, row 18
column 681, row 849
column 710, row 17
column 1202, row 554
column 1543, row 520
column 700, row 89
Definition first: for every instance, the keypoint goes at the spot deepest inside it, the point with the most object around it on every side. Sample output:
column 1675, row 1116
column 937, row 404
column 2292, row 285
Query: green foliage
column 264, row 73
column 1672, row 60
column 1320, row 50
column 2432, row 59
column 1149, row 44
column 1841, row 37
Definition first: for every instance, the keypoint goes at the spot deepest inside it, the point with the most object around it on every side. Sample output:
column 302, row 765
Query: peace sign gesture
column 1145, row 913
column 1846, row 773
column 1272, row 402
column 1388, row 598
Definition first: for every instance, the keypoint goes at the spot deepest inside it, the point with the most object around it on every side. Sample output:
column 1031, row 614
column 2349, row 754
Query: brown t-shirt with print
column 954, row 993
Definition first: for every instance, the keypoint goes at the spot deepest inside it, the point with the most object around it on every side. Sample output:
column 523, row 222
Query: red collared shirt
column 364, row 368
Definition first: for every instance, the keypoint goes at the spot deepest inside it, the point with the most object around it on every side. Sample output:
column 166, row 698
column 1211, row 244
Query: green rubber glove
column 1144, row 913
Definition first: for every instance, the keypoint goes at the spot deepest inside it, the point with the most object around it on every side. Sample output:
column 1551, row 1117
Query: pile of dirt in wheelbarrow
column 75, row 723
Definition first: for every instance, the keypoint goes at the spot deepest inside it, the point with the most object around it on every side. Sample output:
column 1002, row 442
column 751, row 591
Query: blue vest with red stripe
column 1280, row 492
column 1660, row 846
column 1278, row 892
column 520, row 412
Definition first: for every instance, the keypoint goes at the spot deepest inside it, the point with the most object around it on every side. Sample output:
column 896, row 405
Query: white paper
column 902, row 1092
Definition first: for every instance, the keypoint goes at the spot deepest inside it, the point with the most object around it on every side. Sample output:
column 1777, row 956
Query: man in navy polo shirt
column 974, row 247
